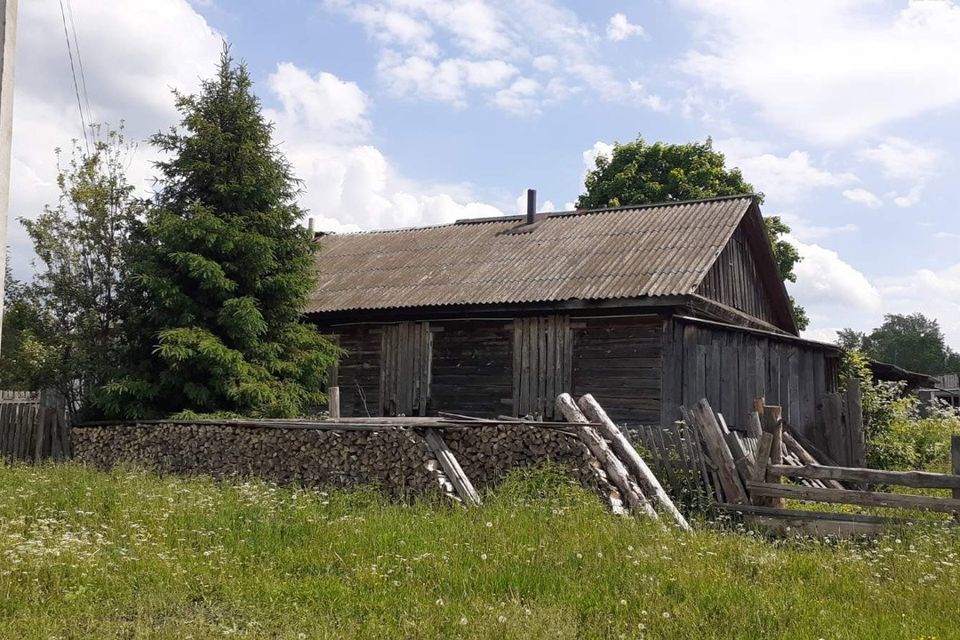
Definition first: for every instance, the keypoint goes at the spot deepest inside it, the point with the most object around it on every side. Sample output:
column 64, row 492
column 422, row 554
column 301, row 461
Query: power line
column 83, row 75
column 73, row 70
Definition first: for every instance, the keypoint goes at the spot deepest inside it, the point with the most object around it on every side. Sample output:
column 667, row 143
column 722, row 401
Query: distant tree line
column 912, row 341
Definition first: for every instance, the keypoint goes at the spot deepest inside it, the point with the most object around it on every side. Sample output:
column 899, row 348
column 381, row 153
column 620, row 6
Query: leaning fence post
column 955, row 466
column 774, row 426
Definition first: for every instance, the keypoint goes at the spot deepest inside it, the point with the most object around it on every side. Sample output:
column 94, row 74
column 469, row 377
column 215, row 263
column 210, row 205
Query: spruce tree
column 221, row 271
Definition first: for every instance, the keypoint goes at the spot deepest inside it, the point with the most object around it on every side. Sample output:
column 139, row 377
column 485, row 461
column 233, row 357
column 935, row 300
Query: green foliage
column 912, row 341
column 221, row 271
column 900, row 434
column 63, row 330
column 850, row 340
column 640, row 173
column 128, row 554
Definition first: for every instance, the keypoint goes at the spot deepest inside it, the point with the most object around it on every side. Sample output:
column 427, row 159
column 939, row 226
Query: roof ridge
column 549, row 214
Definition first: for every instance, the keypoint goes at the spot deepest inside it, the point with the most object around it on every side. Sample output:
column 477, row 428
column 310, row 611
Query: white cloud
column 909, row 199
column 826, row 280
column 348, row 183
column 947, row 235
column 323, row 102
column 130, row 68
column 830, row 69
column 431, row 48
column 864, row 197
column 900, row 158
column 520, row 97
column 619, row 28
column 781, row 178
column 447, row 80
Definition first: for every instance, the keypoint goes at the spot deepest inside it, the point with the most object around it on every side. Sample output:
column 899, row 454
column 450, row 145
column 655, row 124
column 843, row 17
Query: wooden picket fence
column 33, row 426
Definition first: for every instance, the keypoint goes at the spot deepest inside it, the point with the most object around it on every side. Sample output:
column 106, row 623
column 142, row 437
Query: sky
column 399, row 113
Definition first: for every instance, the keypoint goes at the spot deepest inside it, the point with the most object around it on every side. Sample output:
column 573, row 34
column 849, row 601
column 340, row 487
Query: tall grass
column 128, row 554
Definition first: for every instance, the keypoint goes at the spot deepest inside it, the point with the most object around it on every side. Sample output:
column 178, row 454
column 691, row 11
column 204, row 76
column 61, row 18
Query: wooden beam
column 612, row 465
column 772, row 424
column 955, row 466
column 916, row 479
column 854, row 422
column 850, row 496
column 452, row 468
column 631, row 459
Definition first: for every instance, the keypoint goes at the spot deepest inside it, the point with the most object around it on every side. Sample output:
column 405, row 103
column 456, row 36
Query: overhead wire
column 83, row 75
column 73, row 70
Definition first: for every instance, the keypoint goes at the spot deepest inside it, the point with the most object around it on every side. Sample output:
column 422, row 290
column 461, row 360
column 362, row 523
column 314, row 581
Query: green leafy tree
column 20, row 356
column 913, row 342
column 221, row 271
column 851, row 340
column 640, row 173
column 64, row 329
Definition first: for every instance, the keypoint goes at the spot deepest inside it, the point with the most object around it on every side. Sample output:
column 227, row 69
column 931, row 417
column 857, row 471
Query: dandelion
column 489, row 525
column 439, row 602
column 463, row 621
column 483, row 556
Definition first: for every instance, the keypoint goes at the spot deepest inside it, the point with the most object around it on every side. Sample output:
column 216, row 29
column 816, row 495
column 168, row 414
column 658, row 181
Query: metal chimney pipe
column 531, row 205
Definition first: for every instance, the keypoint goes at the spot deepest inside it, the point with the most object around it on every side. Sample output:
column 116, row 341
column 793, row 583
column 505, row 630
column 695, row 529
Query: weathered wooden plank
column 851, row 496
column 801, row 526
column 804, row 456
column 916, row 479
column 772, row 425
column 718, row 451
column 762, row 461
column 730, row 389
column 452, row 468
column 854, row 423
column 333, row 402
column 833, row 423
column 517, row 364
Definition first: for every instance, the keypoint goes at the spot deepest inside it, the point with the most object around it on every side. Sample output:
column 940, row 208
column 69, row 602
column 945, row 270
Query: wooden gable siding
column 618, row 360
column 730, row 368
column 472, row 367
column 734, row 280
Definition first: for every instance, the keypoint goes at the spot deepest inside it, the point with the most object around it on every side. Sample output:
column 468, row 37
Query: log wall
column 619, row 360
column 472, row 367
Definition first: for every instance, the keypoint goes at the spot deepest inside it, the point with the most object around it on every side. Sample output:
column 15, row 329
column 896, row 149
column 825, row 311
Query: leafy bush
column 900, row 432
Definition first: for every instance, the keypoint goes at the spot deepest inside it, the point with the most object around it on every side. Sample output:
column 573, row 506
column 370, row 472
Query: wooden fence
column 749, row 480
column 33, row 426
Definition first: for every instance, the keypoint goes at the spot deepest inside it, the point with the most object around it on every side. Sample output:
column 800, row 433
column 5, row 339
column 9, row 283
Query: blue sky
column 405, row 112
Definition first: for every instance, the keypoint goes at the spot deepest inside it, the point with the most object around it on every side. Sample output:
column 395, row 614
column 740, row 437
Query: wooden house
column 646, row 307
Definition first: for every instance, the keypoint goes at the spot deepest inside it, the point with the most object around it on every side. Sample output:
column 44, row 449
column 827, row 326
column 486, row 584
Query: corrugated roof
column 629, row 252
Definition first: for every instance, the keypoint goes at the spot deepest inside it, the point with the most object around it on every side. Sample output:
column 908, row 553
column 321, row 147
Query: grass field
column 85, row 554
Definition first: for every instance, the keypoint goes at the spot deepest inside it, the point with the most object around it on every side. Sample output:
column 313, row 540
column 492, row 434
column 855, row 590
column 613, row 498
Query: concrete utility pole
column 8, row 47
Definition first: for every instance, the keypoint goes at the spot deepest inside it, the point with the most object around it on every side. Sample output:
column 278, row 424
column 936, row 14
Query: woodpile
column 403, row 456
